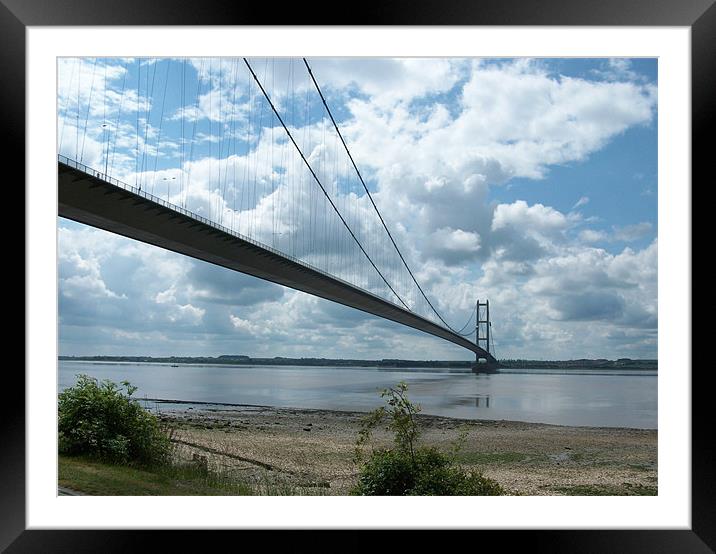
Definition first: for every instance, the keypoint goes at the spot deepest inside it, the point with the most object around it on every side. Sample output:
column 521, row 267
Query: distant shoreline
column 620, row 364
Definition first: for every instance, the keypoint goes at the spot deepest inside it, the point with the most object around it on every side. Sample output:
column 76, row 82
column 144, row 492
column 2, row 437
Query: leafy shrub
column 394, row 473
column 101, row 419
column 409, row 469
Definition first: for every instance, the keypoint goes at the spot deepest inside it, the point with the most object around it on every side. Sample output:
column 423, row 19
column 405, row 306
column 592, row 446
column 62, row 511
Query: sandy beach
column 311, row 451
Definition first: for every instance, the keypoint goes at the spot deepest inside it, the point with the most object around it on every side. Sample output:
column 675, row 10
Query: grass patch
column 104, row 479
column 625, row 489
column 640, row 467
column 490, row 458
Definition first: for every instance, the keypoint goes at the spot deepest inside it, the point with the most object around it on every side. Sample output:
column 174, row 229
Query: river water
column 603, row 398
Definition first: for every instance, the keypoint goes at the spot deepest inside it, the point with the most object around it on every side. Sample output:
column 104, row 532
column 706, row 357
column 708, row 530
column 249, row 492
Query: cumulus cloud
column 592, row 235
column 390, row 81
column 454, row 245
column 246, row 326
column 540, row 218
column 126, row 288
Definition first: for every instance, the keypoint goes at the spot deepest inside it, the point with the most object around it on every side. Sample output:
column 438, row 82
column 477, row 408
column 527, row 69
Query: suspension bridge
column 242, row 167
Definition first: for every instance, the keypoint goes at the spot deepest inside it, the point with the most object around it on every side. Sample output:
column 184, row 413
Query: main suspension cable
column 321, row 185
column 460, row 332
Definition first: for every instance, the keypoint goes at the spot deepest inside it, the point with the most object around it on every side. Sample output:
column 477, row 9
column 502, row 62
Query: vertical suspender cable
column 371, row 197
column 315, row 177
column 89, row 106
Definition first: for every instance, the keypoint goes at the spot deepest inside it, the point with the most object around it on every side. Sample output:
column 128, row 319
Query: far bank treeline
column 622, row 363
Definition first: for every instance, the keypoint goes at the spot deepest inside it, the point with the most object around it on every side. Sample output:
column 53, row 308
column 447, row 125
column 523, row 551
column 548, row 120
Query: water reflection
column 580, row 398
column 478, row 400
column 485, row 400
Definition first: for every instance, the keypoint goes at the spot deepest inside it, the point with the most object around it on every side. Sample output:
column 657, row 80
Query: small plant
column 410, row 469
column 102, row 420
column 402, row 421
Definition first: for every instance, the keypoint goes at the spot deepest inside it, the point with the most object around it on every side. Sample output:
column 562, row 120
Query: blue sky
column 529, row 182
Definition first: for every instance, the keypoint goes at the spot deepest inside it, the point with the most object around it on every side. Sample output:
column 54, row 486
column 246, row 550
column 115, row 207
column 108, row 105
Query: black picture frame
column 699, row 15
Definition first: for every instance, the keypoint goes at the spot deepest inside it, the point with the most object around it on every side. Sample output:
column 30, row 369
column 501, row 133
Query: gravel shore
column 311, row 451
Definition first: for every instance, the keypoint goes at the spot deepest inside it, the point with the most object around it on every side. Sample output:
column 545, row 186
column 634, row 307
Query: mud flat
column 311, row 451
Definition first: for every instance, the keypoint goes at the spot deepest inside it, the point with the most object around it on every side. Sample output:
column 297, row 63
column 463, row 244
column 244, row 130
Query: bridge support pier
column 483, row 364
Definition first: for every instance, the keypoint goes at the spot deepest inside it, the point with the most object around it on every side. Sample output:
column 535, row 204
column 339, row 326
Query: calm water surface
column 569, row 397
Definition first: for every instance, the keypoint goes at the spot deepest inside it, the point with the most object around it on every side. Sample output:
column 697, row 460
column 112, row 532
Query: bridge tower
column 482, row 335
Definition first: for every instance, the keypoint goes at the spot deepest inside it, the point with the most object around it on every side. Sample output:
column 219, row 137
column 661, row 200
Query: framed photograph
column 650, row 62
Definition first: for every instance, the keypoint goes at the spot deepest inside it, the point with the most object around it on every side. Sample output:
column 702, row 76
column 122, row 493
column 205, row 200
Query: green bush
column 409, row 469
column 101, row 420
column 431, row 473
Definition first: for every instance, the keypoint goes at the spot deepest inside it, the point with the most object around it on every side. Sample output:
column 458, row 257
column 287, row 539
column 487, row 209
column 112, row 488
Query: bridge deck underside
column 91, row 200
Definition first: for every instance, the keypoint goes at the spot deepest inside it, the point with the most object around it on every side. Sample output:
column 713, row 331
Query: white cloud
column 80, row 269
column 619, row 69
column 630, row 233
column 584, row 200
column 86, row 286
column 627, row 233
column 166, row 296
column 187, row 313
column 246, row 326
column 389, row 81
column 536, row 217
column 459, row 240
column 591, row 235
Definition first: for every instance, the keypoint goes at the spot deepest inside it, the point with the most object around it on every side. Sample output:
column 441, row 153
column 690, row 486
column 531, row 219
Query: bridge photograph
column 295, row 273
